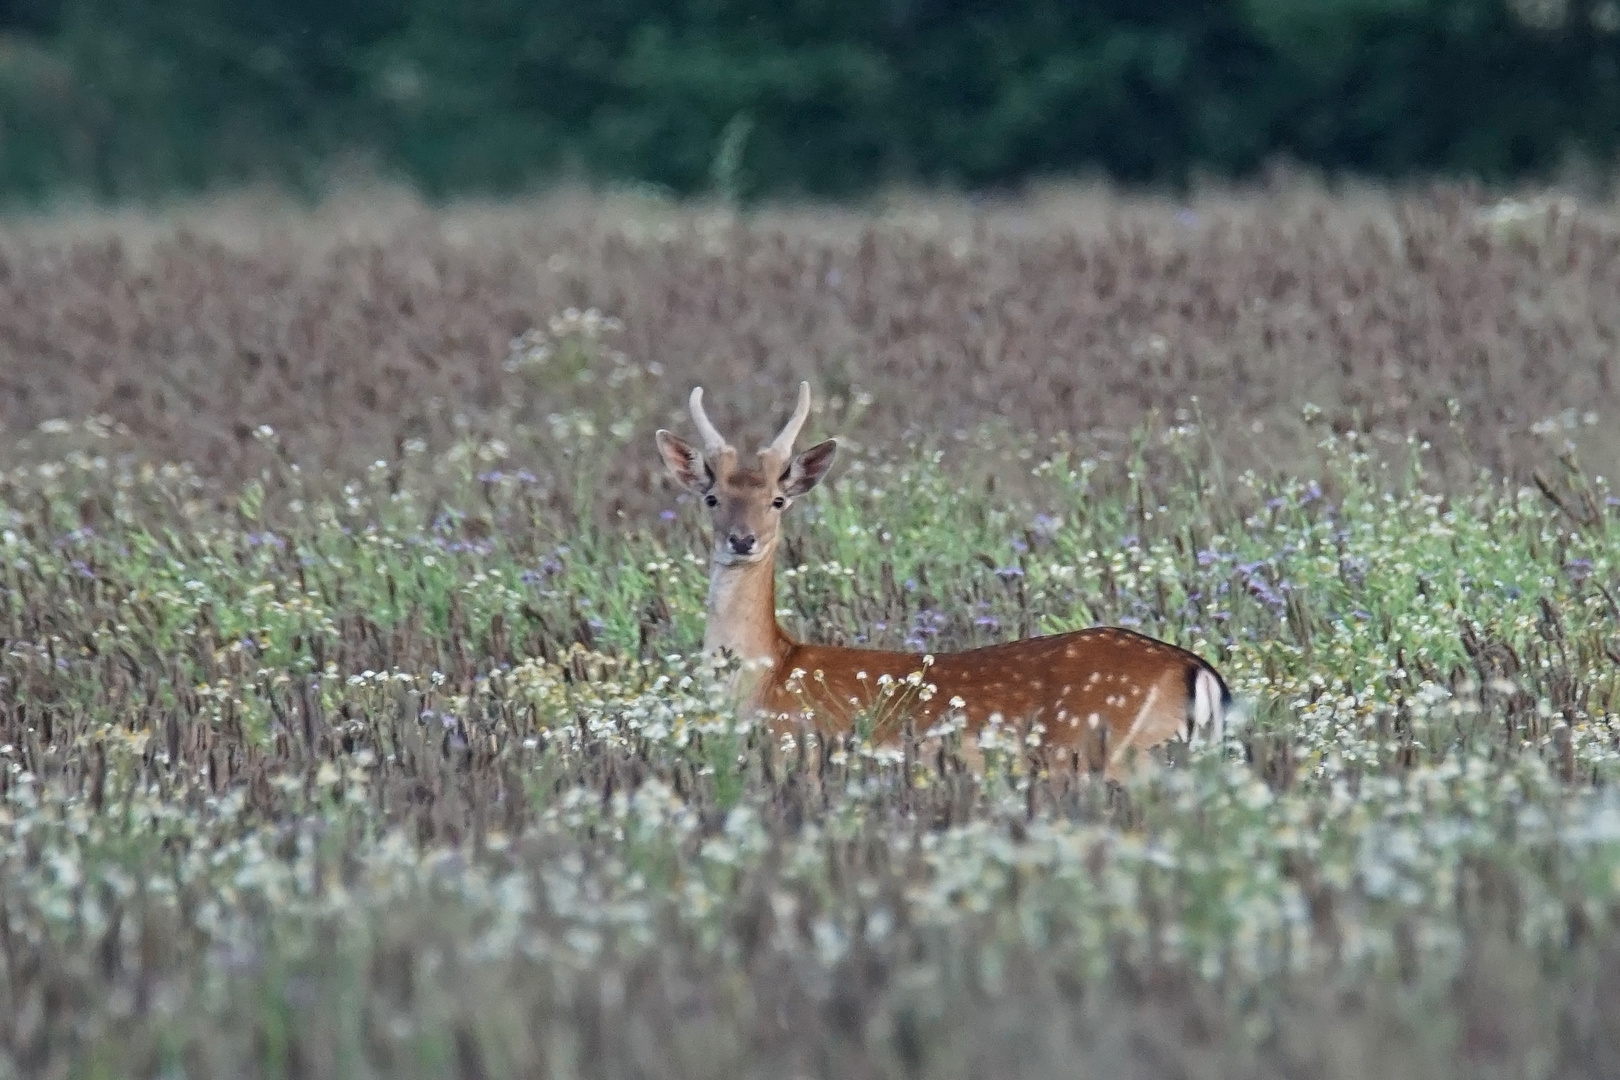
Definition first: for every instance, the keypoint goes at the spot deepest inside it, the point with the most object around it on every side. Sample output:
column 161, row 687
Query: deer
column 1105, row 693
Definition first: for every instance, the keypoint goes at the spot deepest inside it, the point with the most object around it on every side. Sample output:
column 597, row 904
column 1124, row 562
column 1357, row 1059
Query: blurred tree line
column 121, row 98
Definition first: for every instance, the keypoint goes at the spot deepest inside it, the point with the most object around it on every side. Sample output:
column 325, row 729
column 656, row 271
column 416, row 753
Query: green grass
column 363, row 780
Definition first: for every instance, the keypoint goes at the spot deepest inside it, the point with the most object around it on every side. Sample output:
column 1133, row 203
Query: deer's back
column 1103, row 681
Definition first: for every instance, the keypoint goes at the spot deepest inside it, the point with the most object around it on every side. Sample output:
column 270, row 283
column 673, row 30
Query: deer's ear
column 684, row 462
column 807, row 468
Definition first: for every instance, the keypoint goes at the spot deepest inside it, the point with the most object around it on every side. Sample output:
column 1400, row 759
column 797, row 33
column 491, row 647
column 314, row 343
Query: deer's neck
column 742, row 613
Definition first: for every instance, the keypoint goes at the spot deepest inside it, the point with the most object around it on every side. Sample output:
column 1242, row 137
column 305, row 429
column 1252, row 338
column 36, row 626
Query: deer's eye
column 711, row 500
column 779, row 502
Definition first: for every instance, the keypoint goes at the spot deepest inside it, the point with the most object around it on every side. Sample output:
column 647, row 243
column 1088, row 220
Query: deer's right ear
column 684, row 462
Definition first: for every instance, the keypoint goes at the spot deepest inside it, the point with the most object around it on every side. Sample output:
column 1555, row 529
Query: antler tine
column 713, row 441
column 782, row 446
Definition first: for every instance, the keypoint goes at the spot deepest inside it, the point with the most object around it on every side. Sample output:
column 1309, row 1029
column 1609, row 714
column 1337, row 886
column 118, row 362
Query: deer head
column 746, row 502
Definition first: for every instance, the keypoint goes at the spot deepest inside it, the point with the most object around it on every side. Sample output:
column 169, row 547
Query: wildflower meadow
column 403, row 761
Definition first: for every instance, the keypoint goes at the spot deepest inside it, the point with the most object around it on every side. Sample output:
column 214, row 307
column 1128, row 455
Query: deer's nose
column 741, row 545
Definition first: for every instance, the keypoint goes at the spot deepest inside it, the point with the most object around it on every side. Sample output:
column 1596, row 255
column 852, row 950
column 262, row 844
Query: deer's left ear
column 684, row 462
column 807, row 468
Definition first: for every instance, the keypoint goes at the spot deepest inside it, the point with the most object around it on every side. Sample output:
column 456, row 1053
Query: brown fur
column 1049, row 680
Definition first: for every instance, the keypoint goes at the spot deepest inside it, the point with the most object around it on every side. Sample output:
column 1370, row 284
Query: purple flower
column 447, row 721
column 667, row 515
column 1266, row 594
column 1579, row 569
column 1206, row 557
column 1019, row 546
column 987, row 620
column 1007, row 573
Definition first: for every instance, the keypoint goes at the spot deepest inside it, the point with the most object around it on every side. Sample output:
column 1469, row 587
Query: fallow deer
column 1102, row 692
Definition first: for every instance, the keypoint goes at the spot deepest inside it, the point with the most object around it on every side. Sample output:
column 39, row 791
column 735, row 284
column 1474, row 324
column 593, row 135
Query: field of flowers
column 411, row 769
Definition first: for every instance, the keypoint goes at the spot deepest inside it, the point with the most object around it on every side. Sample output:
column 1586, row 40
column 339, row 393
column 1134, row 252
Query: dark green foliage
column 826, row 97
